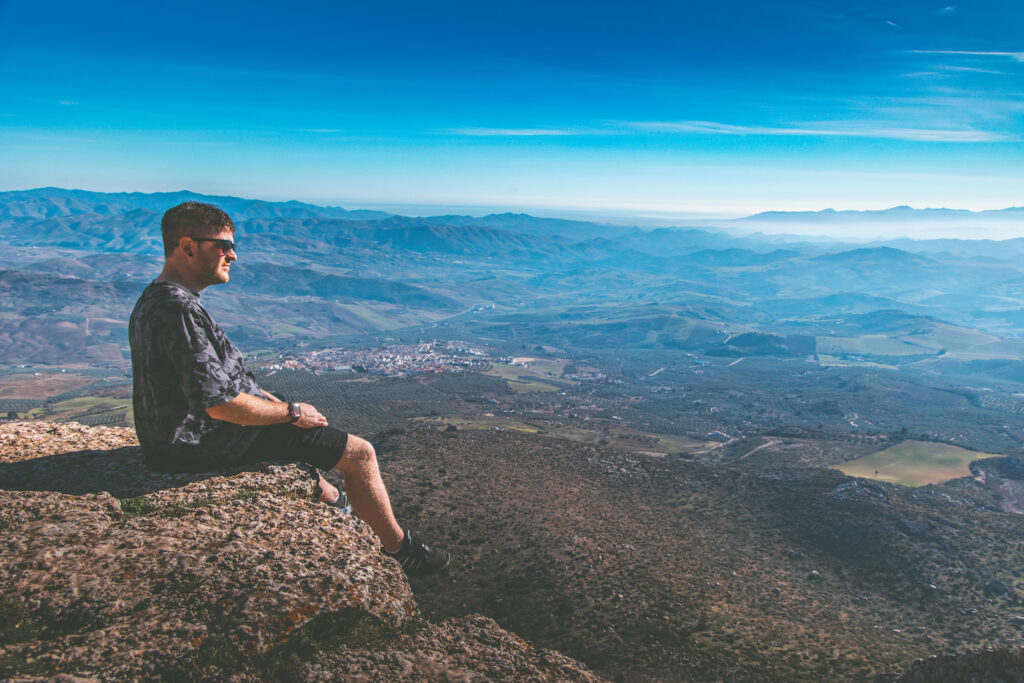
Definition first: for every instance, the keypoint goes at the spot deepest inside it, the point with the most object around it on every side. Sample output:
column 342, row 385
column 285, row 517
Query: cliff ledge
column 108, row 570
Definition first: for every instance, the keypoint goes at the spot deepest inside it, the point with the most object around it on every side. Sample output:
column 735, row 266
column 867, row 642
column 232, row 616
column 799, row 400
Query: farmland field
column 914, row 463
column 524, row 380
column 544, row 365
column 41, row 384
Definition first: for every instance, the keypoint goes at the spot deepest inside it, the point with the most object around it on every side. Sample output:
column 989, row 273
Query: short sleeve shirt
column 182, row 364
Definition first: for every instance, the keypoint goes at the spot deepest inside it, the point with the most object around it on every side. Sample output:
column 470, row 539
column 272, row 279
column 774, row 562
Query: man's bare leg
column 366, row 492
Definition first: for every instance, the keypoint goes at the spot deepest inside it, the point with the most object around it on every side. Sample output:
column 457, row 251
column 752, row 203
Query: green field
column 547, row 366
column 75, row 406
column 90, row 410
column 914, row 463
column 523, row 380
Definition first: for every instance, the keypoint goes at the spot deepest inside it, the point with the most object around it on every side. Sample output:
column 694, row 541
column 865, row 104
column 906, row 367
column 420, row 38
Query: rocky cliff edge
column 111, row 571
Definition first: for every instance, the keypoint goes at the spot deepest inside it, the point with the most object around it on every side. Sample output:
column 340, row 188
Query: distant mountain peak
column 901, row 212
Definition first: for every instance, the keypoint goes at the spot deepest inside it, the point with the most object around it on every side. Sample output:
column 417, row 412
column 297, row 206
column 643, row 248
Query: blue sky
column 653, row 109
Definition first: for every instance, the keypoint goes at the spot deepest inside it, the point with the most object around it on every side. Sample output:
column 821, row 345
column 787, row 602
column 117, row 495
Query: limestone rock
column 110, row 571
column 472, row 648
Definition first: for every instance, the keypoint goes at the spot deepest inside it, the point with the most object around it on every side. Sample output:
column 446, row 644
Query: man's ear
column 185, row 243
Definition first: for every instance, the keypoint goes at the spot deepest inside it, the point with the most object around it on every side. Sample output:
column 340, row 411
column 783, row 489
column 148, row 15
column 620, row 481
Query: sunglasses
column 224, row 245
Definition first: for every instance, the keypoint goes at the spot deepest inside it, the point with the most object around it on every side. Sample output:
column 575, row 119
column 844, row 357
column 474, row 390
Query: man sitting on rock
column 198, row 407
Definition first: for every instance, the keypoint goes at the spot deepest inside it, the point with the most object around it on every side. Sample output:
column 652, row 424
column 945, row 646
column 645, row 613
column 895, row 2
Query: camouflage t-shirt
column 182, row 364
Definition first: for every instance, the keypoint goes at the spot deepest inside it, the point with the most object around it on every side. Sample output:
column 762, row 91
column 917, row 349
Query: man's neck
column 175, row 275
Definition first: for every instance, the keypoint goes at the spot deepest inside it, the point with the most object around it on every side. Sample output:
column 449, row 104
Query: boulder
column 995, row 588
column 110, row 571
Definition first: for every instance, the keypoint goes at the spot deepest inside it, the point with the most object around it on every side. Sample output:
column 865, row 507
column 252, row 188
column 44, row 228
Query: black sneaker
column 419, row 559
column 341, row 502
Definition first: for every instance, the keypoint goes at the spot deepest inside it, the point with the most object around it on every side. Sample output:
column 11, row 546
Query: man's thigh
column 320, row 447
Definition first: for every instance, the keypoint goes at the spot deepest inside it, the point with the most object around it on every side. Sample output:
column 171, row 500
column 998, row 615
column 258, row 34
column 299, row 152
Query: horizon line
column 621, row 211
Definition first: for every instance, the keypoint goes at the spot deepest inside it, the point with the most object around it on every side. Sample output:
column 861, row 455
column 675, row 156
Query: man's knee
column 358, row 453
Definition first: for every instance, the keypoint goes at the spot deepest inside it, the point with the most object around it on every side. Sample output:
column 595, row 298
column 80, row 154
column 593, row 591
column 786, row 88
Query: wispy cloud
column 838, row 129
column 69, row 103
column 1015, row 56
column 509, row 132
column 947, row 70
column 970, row 111
column 972, row 69
column 949, row 9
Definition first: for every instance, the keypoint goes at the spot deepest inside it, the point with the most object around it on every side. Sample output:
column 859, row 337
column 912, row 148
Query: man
column 198, row 408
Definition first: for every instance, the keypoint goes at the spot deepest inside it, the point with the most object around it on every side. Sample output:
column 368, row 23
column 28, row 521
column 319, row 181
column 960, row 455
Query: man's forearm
column 249, row 410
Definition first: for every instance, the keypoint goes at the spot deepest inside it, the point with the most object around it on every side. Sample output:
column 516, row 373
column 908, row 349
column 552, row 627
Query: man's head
column 192, row 219
column 198, row 241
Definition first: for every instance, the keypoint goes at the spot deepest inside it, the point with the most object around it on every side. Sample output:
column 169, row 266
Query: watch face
column 295, row 410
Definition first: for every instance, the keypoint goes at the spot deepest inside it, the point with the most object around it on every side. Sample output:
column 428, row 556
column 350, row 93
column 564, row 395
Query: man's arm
column 249, row 410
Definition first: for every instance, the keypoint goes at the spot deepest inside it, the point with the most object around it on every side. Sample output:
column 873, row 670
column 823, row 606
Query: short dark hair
column 192, row 219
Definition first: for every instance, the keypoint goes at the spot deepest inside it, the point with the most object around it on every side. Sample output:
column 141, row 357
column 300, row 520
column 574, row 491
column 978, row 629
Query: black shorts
column 320, row 447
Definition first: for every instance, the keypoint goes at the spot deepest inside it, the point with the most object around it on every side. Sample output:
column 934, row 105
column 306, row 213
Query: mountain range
column 315, row 273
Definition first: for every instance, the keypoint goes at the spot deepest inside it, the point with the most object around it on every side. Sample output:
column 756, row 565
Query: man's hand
column 311, row 417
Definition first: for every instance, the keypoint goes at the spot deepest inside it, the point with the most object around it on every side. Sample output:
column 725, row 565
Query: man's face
column 212, row 265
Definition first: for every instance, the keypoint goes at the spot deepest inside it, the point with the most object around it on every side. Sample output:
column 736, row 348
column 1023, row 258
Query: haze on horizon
column 663, row 112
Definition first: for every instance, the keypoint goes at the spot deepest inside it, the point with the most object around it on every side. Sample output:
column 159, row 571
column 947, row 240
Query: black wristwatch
column 295, row 411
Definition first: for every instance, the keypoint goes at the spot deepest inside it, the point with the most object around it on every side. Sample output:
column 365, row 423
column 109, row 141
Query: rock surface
column 996, row 665
column 111, row 571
